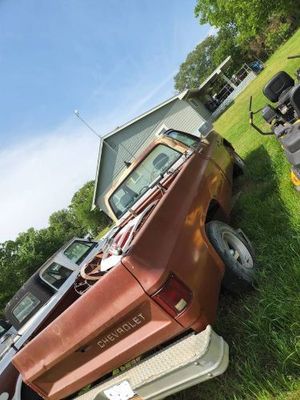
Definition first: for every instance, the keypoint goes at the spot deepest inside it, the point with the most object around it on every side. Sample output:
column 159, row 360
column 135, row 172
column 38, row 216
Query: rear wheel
column 237, row 254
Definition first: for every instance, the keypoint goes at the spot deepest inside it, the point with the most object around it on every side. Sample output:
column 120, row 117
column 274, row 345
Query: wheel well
column 237, row 170
column 215, row 212
column 227, row 144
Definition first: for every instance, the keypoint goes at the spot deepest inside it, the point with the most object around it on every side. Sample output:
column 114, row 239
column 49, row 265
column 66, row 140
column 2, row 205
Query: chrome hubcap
column 238, row 250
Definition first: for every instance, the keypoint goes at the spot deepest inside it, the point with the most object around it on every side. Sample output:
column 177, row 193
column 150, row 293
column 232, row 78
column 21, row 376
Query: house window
column 161, row 130
column 185, row 138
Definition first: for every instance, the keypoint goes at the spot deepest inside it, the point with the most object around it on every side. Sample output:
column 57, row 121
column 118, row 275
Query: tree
column 246, row 29
column 66, row 225
column 248, row 17
column 197, row 66
column 206, row 57
column 91, row 220
column 227, row 46
column 10, row 272
column 20, row 258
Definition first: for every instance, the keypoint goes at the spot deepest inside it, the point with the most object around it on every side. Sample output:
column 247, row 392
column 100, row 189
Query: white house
column 191, row 111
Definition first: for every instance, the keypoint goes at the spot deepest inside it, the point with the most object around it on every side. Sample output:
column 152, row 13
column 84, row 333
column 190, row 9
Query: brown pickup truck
column 157, row 280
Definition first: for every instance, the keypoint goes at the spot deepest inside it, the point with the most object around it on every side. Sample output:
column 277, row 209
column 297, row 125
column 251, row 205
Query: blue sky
column 111, row 60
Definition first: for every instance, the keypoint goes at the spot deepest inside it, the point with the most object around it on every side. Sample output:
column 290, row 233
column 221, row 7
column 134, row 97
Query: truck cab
column 51, row 280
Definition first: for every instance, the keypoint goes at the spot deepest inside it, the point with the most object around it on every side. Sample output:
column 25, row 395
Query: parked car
column 257, row 66
column 142, row 325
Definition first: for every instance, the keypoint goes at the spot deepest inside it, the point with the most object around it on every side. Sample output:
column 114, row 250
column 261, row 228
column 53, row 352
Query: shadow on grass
column 260, row 327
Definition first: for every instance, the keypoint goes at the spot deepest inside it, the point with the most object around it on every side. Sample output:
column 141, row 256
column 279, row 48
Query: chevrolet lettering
column 121, row 331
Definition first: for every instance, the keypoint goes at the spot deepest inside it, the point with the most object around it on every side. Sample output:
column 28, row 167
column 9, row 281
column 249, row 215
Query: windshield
column 157, row 162
column 78, row 250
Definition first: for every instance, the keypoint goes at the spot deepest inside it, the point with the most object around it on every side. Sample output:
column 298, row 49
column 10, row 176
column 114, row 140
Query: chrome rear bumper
column 187, row 362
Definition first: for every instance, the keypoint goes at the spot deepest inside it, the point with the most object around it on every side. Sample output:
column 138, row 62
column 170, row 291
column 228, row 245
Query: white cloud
column 41, row 176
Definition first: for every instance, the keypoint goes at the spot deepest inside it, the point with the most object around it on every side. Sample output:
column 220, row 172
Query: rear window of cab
column 155, row 164
column 139, row 180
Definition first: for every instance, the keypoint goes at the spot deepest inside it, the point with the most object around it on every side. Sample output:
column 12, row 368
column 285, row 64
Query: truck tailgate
column 111, row 324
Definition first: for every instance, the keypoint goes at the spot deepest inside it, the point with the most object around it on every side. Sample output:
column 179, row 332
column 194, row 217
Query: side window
column 185, row 138
column 55, row 275
column 25, row 307
column 78, row 250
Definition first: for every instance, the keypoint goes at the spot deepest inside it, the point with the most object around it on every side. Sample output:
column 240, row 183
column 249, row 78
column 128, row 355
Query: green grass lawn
column 262, row 328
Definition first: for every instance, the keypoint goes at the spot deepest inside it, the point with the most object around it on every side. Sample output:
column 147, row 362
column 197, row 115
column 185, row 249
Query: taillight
column 174, row 296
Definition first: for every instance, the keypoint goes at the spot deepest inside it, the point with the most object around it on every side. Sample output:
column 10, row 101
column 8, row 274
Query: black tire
column 237, row 254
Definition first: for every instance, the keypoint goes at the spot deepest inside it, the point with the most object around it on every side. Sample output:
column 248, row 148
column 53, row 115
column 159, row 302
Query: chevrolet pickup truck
column 141, row 326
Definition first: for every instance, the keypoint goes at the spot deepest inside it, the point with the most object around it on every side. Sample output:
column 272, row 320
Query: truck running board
column 191, row 360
